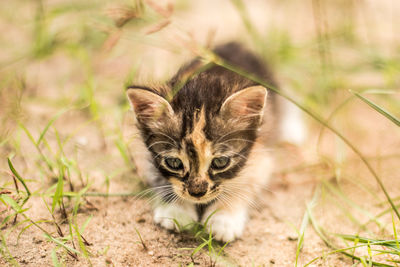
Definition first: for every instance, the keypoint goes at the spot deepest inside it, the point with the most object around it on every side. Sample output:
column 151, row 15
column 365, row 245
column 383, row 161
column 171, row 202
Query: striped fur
column 202, row 118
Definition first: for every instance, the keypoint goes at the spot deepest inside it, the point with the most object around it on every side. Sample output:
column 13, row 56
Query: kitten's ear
column 148, row 106
column 248, row 103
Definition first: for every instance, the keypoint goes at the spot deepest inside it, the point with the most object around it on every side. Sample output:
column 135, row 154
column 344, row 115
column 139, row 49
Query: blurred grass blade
column 389, row 243
column 337, row 192
column 197, row 249
column 10, row 201
column 59, row 190
column 251, row 30
column 303, row 227
column 29, row 226
column 124, row 152
column 58, row 242
column 83, row 227
column 141, row 239
column 5, row 252
column 81, row 243
column 27, row 132
column 16, row 174
column 52, row 120
column 395, row 231
column 54, row 259
column 381, row 110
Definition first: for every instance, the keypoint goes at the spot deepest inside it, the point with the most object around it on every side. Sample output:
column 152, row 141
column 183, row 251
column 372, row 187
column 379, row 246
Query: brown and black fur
column 208, row 90
column 192, row 124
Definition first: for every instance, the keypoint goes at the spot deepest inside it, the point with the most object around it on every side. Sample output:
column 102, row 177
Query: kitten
column 203, row 141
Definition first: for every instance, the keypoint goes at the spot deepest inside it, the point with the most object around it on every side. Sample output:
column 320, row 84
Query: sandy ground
column 270, row 238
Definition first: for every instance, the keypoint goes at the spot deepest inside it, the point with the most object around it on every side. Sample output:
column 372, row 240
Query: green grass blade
column 6, row 252
column 197, row 249
column 381, row 110
column 18, row 176
column 222, row 249
column 246, row 19
column 28, row 133
column 300, row 241
column 395, row 232
column 58, row 242
column 54, row 259
column 124, row 152
column 82, row 246
column 11, row 202
column 386, row 243
column 46, row 128
column 59, row 190
column 85, row 224
column 141, row 239
column 28, row 226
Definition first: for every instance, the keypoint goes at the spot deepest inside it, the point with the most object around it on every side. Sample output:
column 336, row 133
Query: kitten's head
column 198, row 142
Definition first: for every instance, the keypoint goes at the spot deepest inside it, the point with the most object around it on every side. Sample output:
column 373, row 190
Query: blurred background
column 66, row 174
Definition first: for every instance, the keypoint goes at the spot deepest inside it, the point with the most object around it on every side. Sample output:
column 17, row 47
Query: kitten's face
column 197, row 151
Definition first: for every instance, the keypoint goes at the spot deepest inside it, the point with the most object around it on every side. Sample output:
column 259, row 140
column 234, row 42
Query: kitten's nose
column 199, row 194
column 198, row 189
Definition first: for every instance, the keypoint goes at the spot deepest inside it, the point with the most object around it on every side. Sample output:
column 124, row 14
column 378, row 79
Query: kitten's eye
column 174, row 163
column 220, row 163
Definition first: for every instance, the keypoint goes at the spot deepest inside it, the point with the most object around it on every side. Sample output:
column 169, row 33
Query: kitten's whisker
column 243, row 185
column 255, row 201
column 239, row 155
column 160, row 194
column 240, row 189
column 250, row 115
column 224, row 200
column 227, row 199
column 157, row 196
column 258, row 149
column 144, row 193
column 237, row 181
column 237, row 139
column 234, row 153
column 236, row 131
column 169, row 198
column 242, row 196
column 165, row 135
column 175, row 200
column 160, row 142
column 158, row 154
column 152, row 189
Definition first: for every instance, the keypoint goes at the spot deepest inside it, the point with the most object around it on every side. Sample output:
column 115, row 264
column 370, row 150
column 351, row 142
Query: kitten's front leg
column 167, row 214
column 226, row 224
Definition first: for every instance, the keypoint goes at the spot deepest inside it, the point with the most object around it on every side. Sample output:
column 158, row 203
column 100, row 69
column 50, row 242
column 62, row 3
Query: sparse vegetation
column 69, row 191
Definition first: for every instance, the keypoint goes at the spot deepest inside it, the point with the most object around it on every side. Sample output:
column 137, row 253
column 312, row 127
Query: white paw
column 227, row 226
column 166, row 215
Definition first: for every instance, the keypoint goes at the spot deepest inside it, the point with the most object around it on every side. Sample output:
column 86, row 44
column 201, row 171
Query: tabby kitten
column 203, row 140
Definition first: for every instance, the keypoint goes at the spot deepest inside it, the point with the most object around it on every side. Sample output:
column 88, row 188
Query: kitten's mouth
column 208, row 197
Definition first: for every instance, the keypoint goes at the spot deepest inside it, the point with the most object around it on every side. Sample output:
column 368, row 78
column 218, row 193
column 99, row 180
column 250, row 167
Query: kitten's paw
column 226, row 226
column 166, row 215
